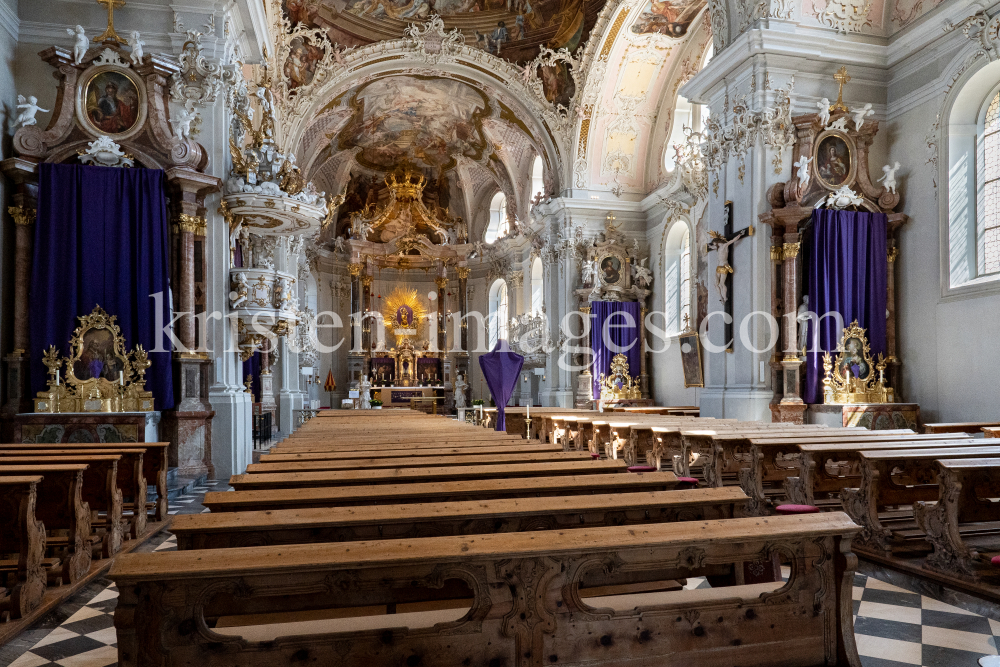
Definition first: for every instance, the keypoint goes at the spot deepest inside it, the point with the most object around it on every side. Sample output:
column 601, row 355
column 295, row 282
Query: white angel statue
column 643, row 276
column 803, row 171
column 589, row 271
column 136, row 43
column 29, row 107
column 839, row 124
column 860, row 114
column 824, row 111
column 182, row 124
column 81, row 44
column 889, row 177
column 241, row 291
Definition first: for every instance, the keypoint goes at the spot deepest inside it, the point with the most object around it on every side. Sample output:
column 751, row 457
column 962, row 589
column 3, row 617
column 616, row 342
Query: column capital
column 354, row 268
column 22, row 215
column 441, row 282
column 790, row 250
column 367, row 281
column 463, row 272
column 197, row 225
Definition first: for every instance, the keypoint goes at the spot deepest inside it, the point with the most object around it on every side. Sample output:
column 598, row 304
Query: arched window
column 989, row 186
column 686, row 114
column 536, row 287
column 498, row 227
column 498, row 312
column 678, row 278
column 537, row 178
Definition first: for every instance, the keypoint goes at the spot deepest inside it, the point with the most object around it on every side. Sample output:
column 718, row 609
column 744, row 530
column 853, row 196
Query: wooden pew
column 959, row 545
column 960, row 427
column 527, row 599
column 60, row 506
column 413, row 462
column 509, row 515
column 131, row 477
column 100, row 491
column 392, row 494
column 154, row 463
column 293, row 480
column 898, row 478
column 22, row 536
column 408, row 453
column 991, row 432
column 346, row 445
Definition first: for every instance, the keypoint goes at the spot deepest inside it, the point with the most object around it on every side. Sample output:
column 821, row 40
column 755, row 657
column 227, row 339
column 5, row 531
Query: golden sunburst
column 403, row 298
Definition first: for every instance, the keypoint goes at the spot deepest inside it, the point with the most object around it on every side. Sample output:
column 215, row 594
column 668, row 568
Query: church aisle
column 894, row 627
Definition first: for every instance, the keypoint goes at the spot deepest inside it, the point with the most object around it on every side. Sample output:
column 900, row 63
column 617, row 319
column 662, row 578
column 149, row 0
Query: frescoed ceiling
column 511, row 29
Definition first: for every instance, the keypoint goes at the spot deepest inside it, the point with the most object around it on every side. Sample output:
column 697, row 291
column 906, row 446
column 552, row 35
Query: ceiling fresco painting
column 511, row 29
column 423, row 120
column 668, row 17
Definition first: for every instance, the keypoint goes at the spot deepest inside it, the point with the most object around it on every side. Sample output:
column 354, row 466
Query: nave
column 285, row 500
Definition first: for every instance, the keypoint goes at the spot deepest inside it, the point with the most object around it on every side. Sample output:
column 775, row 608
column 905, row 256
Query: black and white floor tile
column 893, row 626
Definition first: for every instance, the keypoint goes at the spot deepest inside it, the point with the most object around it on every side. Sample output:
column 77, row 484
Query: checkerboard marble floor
column 894, row 626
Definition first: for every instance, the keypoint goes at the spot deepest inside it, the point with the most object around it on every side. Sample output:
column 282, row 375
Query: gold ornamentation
column 841, row 77
column 851, row 377
column 403, row 311
column 283, row 328
column 100, row 375
column 441, row 282
column 893, row 253
column 790, row 250
column 22, row 215
column 248, row 383
column 619, row 385
column 190, row 223
column 777, row 253
column 463, row 272
column 109, row 34
column 585, row 310
column 367, row 281
column 354, row 269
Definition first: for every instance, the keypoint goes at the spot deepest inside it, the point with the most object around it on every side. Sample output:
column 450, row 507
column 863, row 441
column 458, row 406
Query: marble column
column 18, row 371
column 462, row 358
column 366, row 323
column 643, row 353
column 585, row 380
column 791, row 408
column 442, row 330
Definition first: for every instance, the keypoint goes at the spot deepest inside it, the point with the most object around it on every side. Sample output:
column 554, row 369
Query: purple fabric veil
column 623, row 326
column 501, row 368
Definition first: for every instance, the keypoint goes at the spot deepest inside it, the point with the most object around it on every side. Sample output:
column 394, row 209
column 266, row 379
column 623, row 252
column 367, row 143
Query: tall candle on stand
column 57, row 377
column 121, row 378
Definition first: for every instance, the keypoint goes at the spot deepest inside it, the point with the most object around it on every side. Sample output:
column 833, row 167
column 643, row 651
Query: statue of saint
column 366, row 396
column 460, row 386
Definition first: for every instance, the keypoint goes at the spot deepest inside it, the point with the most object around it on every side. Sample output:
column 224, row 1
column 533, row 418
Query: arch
column 499, row 312
column 499, row 226
column 971, row 252
column 677, row 256
column 537, row 287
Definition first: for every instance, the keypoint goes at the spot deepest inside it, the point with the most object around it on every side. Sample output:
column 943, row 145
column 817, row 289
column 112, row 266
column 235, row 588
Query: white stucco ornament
column 105, row 153
column 843, row 198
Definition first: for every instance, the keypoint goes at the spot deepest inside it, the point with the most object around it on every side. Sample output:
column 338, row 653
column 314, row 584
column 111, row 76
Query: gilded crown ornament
column 406, row 183
column 853, row 376
column 619, row 385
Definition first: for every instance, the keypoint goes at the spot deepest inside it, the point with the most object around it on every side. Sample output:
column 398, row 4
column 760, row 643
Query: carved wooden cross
column 110, row 35
column 721, row 243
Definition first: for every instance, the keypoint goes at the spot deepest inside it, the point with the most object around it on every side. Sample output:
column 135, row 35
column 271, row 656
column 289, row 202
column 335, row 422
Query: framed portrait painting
column 112, row 102
column 610, row 270
column 690, row 344
column 834, row 160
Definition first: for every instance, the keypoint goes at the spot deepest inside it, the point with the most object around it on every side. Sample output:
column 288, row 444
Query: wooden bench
column 60, row 507
column 439, row 492
column 507, row 515
column 413, row 462
column 532, row 599
column 991, row 432
column 335, row 446
column 963, row 526
column 291, row 480
column 899, row 478
column 22, row 536
column 131, row 477
column 960, row 427
column 154, row 463
column 408, row 453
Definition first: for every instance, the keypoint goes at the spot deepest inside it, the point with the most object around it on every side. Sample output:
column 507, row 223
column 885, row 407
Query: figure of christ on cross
column 110, row 35
column 720, row 244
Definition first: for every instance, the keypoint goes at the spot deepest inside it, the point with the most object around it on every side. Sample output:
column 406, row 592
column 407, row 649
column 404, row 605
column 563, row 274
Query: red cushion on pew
column 594, row 455
column 995, row 561
column 688, row 480
column 796, row 509
column 642, row 468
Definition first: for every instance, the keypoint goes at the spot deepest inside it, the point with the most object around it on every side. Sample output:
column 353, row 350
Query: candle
column 121, row 378
column 529, row 409
column 57, row 377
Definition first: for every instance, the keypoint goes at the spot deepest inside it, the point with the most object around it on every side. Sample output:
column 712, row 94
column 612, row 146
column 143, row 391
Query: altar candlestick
column 121, row 378
column 57, row 377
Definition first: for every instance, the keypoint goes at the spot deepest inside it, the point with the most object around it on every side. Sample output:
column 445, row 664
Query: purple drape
column 848, row 273
column 501, row 368
column 101, row 239
column 623, row 325
column 251, row 367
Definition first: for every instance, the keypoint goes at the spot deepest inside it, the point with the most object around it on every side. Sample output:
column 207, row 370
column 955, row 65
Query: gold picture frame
column 119, row 118
column 691, row 359
column 834, row 159
column 612, row 269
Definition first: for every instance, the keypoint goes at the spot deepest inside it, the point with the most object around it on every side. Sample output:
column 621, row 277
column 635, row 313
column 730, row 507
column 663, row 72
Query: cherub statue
column 643, row 276
column 29, row 107
column 526, row 74
column 590, row 271
column 182, row 124
column 824, row 111
column 724, row 269
column 889, row 177
column 81, row 44
column 136, row 43
column 338, row 244
column 241, row 291
column 839, row 124
column 460, row 386
column 860, row 114
column 280, row 291
column 803, row 171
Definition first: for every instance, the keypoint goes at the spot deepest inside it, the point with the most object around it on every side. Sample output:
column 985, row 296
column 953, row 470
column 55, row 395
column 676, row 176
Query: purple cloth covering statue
column 501, row 368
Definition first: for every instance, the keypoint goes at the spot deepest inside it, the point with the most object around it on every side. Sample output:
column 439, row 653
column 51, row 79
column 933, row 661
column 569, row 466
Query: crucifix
column 841, row 77
column 110, row 35
column 720, row 243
